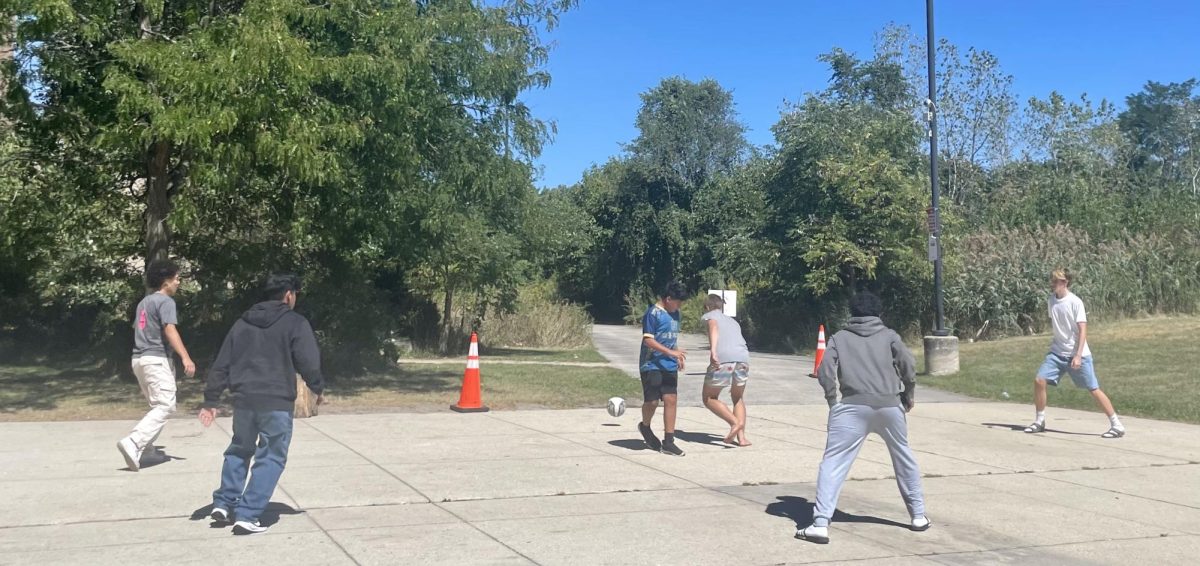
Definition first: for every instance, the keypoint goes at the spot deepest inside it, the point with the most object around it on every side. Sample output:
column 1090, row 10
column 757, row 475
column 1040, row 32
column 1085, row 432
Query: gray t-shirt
column 731, row 346
column 154, row 312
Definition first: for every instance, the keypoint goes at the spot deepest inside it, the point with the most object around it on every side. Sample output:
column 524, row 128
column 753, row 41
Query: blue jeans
column 265, row 436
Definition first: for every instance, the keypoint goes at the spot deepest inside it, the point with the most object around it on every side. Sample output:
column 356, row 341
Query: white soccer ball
column 616, row 406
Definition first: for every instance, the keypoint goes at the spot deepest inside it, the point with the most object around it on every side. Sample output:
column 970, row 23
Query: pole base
column 941, row 355
column 458, row 409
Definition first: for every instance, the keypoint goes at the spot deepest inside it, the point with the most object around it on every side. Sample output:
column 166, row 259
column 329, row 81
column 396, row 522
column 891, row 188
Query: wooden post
column 306, row 402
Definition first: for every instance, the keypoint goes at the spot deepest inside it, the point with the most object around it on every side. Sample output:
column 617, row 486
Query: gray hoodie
column 869, row 363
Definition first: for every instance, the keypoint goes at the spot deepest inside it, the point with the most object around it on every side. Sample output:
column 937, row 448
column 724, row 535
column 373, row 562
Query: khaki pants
column 156, row 377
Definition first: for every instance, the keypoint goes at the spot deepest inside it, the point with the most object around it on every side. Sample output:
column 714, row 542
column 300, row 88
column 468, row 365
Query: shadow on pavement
column 1021, row 429
column 701, row 438
column 800, row 510
column 269, row 517
column 629, row 444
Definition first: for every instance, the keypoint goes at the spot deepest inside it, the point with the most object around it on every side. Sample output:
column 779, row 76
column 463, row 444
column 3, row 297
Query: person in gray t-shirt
column 728, row 366
column 154, row 339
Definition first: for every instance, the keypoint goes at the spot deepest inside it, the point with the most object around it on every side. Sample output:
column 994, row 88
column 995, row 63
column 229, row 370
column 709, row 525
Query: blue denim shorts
column 1055, row 365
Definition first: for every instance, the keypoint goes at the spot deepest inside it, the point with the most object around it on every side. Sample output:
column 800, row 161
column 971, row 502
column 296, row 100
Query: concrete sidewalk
column 576, row 487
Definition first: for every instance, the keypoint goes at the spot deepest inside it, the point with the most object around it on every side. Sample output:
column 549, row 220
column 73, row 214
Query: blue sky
column 607, row 52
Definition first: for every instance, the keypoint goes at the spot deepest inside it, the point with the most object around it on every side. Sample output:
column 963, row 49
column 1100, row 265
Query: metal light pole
column 935, row 222
column 941, row 349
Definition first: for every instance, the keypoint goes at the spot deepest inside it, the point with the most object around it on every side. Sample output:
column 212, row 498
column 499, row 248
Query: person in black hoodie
column 874, row 372
column 258, row 363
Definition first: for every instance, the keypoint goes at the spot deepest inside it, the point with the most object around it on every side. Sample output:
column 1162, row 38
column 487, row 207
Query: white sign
column 730, row 298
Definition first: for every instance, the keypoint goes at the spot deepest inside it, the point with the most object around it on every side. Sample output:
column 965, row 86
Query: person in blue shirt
column 659, row 364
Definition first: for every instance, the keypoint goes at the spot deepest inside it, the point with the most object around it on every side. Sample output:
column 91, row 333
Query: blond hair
column 1061, row 273
column 713, row 302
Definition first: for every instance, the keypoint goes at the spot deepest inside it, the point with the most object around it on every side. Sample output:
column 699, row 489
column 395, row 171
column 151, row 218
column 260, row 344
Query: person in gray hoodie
column 872, row 369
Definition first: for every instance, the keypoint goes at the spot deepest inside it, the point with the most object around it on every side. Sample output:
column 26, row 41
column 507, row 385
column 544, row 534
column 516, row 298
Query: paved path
column 575, row 488
column 776, row 379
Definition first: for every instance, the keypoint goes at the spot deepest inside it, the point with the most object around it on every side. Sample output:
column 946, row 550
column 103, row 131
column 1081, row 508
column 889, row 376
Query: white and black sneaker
column 669, row 448
column 220, row 515
column 248, row 528
column 813, row 533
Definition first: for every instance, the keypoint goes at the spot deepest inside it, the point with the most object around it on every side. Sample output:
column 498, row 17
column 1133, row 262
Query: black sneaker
column 220, row 516
column 248, row 528
column 671, row 449
column 652, row 441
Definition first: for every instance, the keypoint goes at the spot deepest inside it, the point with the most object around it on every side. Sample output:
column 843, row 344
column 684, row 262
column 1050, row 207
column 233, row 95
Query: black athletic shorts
column 656, row 383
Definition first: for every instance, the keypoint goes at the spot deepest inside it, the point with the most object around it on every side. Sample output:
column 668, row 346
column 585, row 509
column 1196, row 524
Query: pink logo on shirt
column 142, row 320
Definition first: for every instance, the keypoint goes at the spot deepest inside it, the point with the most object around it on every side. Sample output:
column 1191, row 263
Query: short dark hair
column 278, row 284
column 865, row 303
column 159, row 271
column 674, row 290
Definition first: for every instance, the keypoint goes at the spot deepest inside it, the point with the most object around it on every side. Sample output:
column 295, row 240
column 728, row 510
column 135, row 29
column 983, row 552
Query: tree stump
column 306, row 402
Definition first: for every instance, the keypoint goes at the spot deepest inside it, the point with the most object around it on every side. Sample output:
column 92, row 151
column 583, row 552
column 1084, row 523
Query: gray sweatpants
column 849, row 426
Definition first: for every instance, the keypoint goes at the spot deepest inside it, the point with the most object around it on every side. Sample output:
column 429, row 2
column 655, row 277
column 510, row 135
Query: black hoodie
column 261, row 355
column 869, row 364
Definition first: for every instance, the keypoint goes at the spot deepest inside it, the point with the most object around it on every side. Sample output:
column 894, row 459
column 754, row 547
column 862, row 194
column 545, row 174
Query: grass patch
column 80, row 392
column 539, row 355
column 436, row 387
column 1148, row 368
column 517, row 354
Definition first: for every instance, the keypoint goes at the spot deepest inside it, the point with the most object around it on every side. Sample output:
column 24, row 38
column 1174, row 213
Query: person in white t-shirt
column 1069, row 353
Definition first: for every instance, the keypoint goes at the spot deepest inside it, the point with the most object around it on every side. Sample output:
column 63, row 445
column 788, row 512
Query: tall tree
column 688, row 134
column 346, row 139
column 1163, row 122
column 846, row 197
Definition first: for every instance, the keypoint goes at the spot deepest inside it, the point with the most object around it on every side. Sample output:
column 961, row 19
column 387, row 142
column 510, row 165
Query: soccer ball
column 616, row 406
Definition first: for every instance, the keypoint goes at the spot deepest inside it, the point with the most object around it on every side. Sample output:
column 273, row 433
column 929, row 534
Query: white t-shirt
column 1065, row 315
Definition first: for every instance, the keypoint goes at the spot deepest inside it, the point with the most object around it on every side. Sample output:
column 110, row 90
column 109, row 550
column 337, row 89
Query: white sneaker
column 248, row 528
column 812, row 533
column 129, row 450
column 921, row 523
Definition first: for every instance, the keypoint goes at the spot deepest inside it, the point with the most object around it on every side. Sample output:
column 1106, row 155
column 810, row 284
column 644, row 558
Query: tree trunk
column 7, row 49
column 158, row 203
column 444, row 340
column 306, row 402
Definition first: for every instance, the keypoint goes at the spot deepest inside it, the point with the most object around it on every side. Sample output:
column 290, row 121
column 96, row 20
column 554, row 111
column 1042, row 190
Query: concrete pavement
column 775, row 379
column 575, row 487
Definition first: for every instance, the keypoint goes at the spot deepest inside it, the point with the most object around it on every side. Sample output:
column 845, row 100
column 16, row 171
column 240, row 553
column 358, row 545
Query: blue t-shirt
column 663, row 327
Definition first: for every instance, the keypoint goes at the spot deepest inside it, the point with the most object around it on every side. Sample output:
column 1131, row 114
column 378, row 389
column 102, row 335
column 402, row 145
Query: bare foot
column 742, row 439
column 734, row 433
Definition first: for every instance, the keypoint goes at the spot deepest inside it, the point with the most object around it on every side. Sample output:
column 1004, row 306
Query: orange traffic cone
column 820, row 350
column 470, row 400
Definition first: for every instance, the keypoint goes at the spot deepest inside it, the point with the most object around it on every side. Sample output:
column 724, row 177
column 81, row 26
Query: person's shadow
column 696, row 437
column 269, row 517
column 799, row 509
column 1021, row 428
column 701, row 438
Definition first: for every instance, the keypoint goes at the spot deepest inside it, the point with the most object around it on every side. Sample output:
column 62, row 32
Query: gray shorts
column 724, row 375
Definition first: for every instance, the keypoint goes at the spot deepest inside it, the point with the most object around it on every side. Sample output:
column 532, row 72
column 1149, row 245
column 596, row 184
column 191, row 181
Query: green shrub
column 540, row 319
